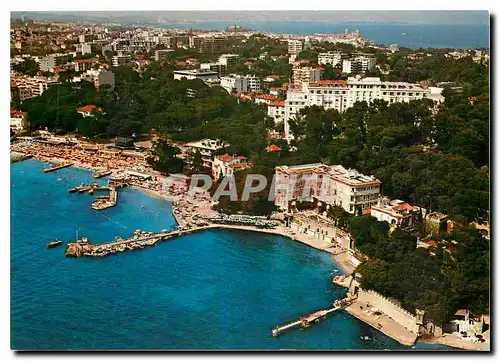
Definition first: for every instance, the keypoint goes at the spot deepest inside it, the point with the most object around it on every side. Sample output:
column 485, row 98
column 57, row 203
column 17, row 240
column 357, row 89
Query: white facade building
column 228, row 59
column 341, row 94
column 240, row 83
column 276, row 110
column 225, row 165
column 295, row 47
column 196, row 74
column 208, row 149
column 306, row 74
column 395, row 212
column 332, row 185
column 333, row 58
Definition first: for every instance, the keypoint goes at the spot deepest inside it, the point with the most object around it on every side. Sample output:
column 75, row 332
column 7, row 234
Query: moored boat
column 54, row 243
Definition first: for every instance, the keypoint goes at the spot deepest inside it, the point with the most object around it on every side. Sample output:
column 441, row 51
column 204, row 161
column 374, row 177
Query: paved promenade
column 383, row 323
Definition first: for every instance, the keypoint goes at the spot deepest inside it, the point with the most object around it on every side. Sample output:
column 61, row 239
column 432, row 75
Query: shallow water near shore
column 209, row 290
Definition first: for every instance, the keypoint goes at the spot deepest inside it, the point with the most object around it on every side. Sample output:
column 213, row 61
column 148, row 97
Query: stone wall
column 390, row 308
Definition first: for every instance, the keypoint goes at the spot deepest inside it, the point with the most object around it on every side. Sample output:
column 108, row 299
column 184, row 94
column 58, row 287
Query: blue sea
column 211, row 290
column 457, row 36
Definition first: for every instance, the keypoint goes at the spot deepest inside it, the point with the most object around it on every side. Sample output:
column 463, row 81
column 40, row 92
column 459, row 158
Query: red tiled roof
column 238, row 165
column 16, row 113
column 273, row 148
column 225, row 157
column 278, row 103
column 340, row 83
column 86, row 108
column 403, row 207
column 431, row 243
column 266, row 96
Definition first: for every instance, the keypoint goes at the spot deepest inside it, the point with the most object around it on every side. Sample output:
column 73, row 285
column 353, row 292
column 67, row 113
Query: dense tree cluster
column 455, row 275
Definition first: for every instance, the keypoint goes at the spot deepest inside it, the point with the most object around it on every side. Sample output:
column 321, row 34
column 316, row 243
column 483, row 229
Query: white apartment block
column 295, row 47
column 47, row 63
column 208, row 149
column 332, row 185
column 196, row 74
column 228, row 59
column 276, row 110
column 253, row 83
column 219, row 68
column 341, row 94
column 333, row 58
column 306, row 74
column 358, row 64
column 240, row 83
column 234, row 82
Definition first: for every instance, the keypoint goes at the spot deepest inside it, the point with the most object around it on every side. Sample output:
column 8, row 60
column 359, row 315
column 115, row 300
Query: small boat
column 54, row 243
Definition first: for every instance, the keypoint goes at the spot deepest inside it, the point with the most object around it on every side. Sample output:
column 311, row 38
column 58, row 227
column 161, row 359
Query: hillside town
column 353, row 138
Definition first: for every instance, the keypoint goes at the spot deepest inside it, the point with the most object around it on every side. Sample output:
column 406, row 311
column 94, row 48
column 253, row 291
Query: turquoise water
column 460, row 36
column 211, row 290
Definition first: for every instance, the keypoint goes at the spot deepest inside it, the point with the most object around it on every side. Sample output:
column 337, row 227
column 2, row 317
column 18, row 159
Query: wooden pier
column 306, row 321
column 60, row 166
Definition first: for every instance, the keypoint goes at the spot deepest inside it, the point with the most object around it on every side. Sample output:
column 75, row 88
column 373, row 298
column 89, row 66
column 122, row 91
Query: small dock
column 20, row 158
column 306, row 321
column 57, row 167
column 101, row 174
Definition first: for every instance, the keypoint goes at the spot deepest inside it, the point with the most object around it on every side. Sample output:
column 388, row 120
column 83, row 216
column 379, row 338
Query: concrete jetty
column 306, row 321
column 20, row 158
column 60, row 166
column 138, row 241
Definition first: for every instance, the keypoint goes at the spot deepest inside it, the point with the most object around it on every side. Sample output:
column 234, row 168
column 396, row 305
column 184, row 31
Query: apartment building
column 228, row 59
column 276, row 110
column 84, row 38
column 85, row 48
column 332, row 185
column 333, row 58
column 221, row 69
column 208, row 43
column 196, row 74
column 83, row 65
column 358, row 64
column 240, row 83
column 31, row 87
column 306, row 74
column 47, row 63
column 341, row 94
column 396, row 212
column 99, row 77
column 121, row 60
column 162, row 54
column 208, row 149
column 295, row 47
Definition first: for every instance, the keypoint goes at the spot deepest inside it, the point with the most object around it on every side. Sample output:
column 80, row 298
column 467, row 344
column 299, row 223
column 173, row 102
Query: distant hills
column 177, row 17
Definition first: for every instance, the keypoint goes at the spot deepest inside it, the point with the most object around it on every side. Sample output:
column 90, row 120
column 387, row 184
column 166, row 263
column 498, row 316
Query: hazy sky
column 418, row 17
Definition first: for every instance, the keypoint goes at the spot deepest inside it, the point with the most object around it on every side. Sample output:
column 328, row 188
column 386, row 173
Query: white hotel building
column 332, row 185
column 341, row 94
